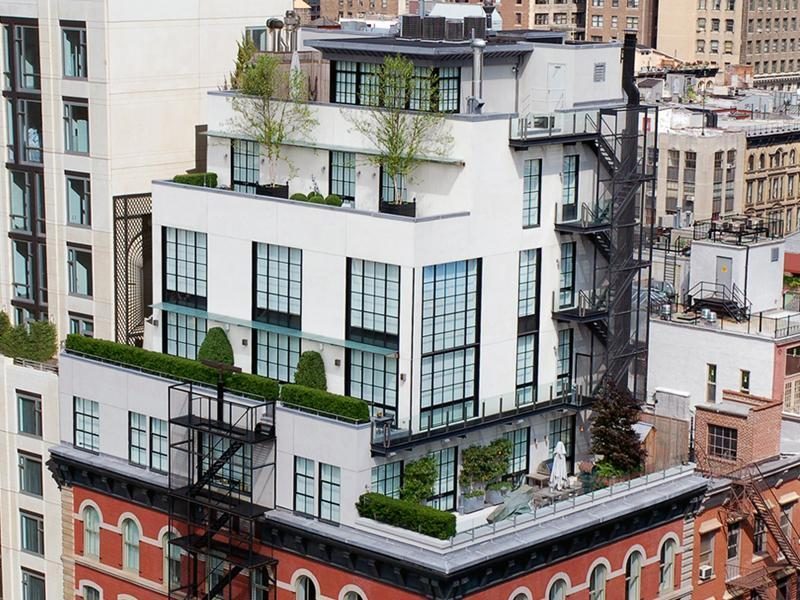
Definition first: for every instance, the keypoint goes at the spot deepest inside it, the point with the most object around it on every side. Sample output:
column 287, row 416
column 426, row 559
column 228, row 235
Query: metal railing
column 39, row 366
column 543, row 125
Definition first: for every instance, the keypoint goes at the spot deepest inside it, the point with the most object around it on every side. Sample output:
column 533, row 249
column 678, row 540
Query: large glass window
column 22, row 58
column 78, row 200
column 25, row 198
column 73, row 40
column 393, row 189
column 137, row 438
column 374, row 303
column 277, row 355
column 450, row 317
column 532, row 192
column 172, row 561
column 564, row 362
column 330, row 480
column 185, row 267
column 373, row 377
column 159, row 445
column 526, row 368
column 86, row 424
column 527, row 297
column 76, row 126
column 387, row 479
column 236, row 473
column 32, row 585
column 343, row 174
column 666, row 561
column 184, row 335
column 520, row 445
column 569, row 182
column 22, row 266
column 722, row 442
column 444, row 489
column 30, row 473
column 633, row 576
column 303, row 485
column 24, row 135
column 566, row 294
column 279, row 277
column 79, row 267
column 91, row 532
column 81, row 324
column 345, row 77
column 245, row 165
column 130, row 545
column 597, row 583
column 32, row 532
column 558, row 591
column 29, row 414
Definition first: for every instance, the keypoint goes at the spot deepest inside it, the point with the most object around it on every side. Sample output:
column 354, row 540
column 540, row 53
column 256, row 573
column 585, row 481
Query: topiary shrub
column 198, row 179
column 311, row 371
column 36, row 340
column 300, row 196
column 316, row 198
column 216, row 347
column 419, row 477
column 408, row 515
column 333, row 200
column 324, row 402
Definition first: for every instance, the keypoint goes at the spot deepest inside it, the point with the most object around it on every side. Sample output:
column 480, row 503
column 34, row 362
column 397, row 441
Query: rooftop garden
column 35, row 340
column 317, row 401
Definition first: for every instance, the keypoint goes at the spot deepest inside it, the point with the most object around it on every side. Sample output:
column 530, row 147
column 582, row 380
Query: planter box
column 496, row 496
column 403, row 209
column 471, row 504
column 276, row 191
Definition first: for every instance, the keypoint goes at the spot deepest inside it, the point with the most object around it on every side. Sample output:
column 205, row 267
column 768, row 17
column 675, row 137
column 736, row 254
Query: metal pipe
column 476, row 100
column 628, row 67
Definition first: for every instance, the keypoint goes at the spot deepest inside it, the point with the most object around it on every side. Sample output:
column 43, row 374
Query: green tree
column 615, row 413
column 402, row 138
column 246, row 50
column 216, row 347
column 272, row 108
column 311, row 371
column 419, row 478
column 35, row 340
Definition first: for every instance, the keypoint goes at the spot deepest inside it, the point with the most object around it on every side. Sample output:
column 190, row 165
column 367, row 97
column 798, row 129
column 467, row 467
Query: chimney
column 475, row 101
column 628, row 69
column 488, row 8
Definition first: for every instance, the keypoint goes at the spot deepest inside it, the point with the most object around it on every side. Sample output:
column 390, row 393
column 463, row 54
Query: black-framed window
column 444, row 489
column 24, row 122
column 759, row 536
column 531, row 192
column 569, row 183
column 303, row 485
column 373, row 377
column 373, row 315
column 387, row 479
column 22, row 65
column 184, row 334
column 278, row 274
column 22, row 260
column 30, row 473
column 81, row 324
column 528, row 291
column 79, row 194
column 345, row 82
column 450, row 338
column 276, row 355
column 520, row 450
column 527, row 347
column 566, row 290
column 564, row 361
column 562, row 429
column 32, row 585
column 32, row 532
column 26, row 202
column 137, row 438
column 159, row 445
column 76, row 126
column 86, row 424
column 79, row 271
column 330, row 493
column 245, row 165
column 723, row 442
column 29, row 414
column 73, row 47
column 388, row 193
column 185, row 268
column 27, row 231
column 236, row 474
column 343, row 174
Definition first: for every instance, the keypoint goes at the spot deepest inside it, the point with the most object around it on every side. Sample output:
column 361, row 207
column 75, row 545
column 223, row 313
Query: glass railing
column 534, row 126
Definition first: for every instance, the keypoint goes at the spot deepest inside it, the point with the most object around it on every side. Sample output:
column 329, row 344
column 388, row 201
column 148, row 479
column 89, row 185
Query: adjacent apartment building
column 456, row 320
column 554, row 15
column 608, row 20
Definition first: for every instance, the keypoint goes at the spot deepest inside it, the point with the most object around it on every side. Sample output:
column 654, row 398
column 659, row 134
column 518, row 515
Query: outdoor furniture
column 541, row 477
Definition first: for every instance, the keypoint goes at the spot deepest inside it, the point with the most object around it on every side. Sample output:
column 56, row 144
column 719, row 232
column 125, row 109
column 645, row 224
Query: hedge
column 311, row 371
column 325, row 402
column 174, row 366
column 216, row 347
column 407, row 515
column 36, row 340
column 198, row 179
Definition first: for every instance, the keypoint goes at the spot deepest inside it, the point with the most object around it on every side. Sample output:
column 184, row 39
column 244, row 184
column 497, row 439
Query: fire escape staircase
column 223, row 582
column 720, row 298
column 215, row 467
column 771, row 523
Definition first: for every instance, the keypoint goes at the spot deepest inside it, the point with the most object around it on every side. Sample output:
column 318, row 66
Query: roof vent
column 411, row 27
column 474, row 27
column 433, row 28
column 454, row 30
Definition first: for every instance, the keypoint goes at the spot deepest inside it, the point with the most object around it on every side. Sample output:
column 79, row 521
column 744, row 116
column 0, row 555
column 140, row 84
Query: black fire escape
column 221, row 482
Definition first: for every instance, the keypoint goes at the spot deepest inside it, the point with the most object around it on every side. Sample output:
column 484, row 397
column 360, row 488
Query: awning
column 202, row 314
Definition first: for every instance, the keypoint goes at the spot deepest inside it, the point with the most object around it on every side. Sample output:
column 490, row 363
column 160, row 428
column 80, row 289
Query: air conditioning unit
column 706, row 572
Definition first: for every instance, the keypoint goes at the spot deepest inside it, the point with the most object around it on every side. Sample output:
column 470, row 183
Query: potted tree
column 271, row 109
column 475, row 471
column 498, row 456
column 401, row 137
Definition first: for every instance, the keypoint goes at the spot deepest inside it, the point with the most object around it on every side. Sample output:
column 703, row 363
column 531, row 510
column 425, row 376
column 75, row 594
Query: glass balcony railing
column 534, row 126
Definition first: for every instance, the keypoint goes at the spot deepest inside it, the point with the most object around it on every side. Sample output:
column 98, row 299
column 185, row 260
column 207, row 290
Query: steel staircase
column 214, row 468
column 223, row 582
column 785, row 545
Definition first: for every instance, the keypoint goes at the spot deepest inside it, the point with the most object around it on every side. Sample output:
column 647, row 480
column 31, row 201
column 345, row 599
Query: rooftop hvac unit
column 705, row 572
column 665, row 311
column 474, row 27
column 454, row 30
column 411, row 27
column 712, row 317
column 433, row 28
column 705, row 314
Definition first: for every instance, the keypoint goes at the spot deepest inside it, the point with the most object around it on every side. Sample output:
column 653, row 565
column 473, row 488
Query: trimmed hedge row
column 326, row 402
column 36, row 340
column 407, row 515
column 198, row 179
column 175, row 366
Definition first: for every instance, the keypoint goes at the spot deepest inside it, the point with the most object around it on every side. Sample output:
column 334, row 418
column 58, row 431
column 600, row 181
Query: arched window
column 667, row 563
column 751, row 163
column 633, row 576
column 91, row 532
column 90, row 593
column 521, row 596
column 130, row 545
column 172, row 561
column 353, row 596
column 558, row 591
column 792, row 157
column 762, row 161
column 597, row 583
column 305, row 589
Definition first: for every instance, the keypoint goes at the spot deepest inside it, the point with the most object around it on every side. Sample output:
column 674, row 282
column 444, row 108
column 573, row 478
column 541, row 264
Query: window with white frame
column 633, row 576
column 130, row 545
column 90, row 593
column 303, row 485
column 666, row 561
column 91, row 532
column 558, row 591
column 597, row 583
column 86, row 424
column 79, row 270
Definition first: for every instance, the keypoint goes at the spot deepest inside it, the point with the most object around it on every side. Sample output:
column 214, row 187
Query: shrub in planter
column 36, row 340
column 333, row 200
column 495, row 492
column 216, row 347
column 325, row 402
column 300, row 196
column 472, row 500
column 316, row 198
column 408, row 515
column 198, row 179
column 419, row 477
column 311, row 371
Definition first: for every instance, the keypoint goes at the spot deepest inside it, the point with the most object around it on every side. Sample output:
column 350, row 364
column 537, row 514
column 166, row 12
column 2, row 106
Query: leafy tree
column 419, row 477
column 311, row 371
column 401, row 137
column 246, row 50
column 615, row 413
column 35, row 340
column 272, row 107
column 216, row 347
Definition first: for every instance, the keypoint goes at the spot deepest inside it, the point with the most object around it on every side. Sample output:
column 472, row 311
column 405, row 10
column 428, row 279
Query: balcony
column 546, row 128
column 591, row 305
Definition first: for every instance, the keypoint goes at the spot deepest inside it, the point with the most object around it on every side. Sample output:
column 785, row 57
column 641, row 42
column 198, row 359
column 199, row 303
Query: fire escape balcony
column 590, row 305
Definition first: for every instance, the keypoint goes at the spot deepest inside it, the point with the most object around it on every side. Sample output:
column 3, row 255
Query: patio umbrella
column 558, row 475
